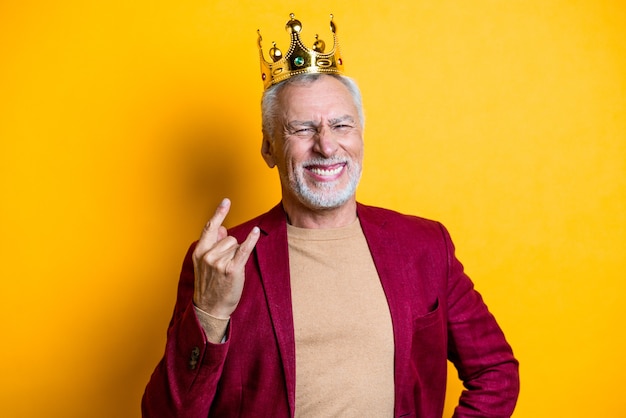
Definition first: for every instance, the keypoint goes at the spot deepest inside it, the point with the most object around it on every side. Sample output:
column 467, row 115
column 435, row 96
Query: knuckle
column 208, row 258
column 221, row 264
column 230, row 270
column 230, row 241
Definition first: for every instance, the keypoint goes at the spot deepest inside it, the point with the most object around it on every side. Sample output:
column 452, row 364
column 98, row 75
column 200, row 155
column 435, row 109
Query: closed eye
column 342, row 127
column 342, row 124
column 304, row 132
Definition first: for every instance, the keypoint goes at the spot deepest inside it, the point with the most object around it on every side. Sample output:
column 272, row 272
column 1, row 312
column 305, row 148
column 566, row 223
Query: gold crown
column 299, row 59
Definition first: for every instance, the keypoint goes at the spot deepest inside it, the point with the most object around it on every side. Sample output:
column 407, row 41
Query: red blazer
column 436, row 315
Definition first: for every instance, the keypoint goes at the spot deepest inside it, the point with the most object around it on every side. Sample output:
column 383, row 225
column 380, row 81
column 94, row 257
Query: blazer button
column 193, row 359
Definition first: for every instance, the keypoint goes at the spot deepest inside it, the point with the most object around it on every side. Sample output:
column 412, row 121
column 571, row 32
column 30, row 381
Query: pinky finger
column 246, row 247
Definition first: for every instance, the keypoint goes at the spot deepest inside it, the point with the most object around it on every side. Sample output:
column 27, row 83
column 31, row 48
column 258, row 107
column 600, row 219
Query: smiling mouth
column 326, row 171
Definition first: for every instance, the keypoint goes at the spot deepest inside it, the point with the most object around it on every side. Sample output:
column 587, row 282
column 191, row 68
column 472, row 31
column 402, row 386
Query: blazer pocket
column 432, row 317
column 428, row 356
column 429, row 342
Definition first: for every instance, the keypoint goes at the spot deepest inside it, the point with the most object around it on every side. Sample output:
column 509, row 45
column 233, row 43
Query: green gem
column 299, row 61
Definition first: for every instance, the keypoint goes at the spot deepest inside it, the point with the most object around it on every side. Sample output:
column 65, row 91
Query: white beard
column 325, row 195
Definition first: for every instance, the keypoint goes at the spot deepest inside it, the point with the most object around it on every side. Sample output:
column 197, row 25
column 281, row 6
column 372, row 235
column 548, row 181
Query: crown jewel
column 299, row 59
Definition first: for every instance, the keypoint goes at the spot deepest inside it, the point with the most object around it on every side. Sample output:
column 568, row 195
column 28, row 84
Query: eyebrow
column 344, row 118
column 293, row 123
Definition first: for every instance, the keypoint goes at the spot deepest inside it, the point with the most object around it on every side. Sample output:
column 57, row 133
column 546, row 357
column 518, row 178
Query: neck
column 320, row 218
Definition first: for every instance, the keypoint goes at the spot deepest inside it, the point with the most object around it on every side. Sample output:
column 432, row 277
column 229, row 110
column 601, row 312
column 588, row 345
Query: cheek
column 353, row 143
column 293, row 155
column 356, row 150
column 287, row 164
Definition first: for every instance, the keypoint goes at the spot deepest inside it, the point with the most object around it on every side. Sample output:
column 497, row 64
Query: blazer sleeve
column 478, row 349
column 185, row 380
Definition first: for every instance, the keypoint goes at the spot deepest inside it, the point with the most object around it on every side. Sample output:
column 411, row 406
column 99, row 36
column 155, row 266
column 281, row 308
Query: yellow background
column 122, row 125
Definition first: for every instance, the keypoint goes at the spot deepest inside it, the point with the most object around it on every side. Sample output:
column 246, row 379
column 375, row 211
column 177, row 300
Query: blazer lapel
column 273, row 258
column 387, row 255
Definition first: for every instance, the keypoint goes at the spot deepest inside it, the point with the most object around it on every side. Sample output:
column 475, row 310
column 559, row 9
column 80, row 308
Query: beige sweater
column 343, row 331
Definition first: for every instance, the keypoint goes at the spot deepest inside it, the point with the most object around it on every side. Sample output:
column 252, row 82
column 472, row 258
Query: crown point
column 319, row 45
column 275, row 52
column 294, row 25
column 333, row 28
column 258, row 31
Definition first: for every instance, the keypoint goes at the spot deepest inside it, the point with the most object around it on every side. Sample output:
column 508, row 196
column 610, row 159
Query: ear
column 267, row 151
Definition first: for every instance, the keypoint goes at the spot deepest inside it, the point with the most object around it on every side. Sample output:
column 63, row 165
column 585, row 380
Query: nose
column 325, row 142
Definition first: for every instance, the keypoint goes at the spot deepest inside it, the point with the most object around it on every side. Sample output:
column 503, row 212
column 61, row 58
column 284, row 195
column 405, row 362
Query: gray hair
column 269, row 102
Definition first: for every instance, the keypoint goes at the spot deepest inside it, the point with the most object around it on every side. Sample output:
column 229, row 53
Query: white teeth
column 326, row 171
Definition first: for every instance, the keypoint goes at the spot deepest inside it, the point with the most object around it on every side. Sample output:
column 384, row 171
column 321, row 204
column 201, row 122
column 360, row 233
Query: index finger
column 209, row 234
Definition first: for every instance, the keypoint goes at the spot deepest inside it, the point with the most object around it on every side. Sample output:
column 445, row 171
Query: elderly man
column 324, row 306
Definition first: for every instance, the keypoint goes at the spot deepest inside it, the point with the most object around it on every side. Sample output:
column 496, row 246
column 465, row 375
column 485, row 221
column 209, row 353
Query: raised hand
column 219, row 265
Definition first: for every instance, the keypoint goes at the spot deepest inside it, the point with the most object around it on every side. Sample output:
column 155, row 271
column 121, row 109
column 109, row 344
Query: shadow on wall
column 198, row 169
